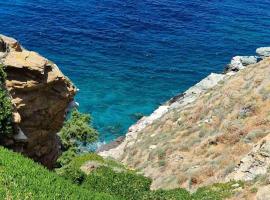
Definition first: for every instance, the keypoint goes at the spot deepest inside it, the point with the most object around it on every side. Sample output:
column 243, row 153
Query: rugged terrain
column 214, row 132
column 41, row 95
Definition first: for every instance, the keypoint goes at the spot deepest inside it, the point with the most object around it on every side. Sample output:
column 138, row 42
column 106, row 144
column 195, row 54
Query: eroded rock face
column 255, row 163
column 40, row 94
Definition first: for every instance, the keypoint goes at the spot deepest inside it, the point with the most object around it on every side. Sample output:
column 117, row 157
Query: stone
column 20, row 136
column 11, row 43
column 16, row 118
column 40, row 94
column 249, row 60
column 26, row 59
column 263, row 51
column 255, row 163
column 240, row 62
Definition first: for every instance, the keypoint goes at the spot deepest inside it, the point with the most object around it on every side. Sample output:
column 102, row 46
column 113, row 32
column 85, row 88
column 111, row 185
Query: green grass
column 21, row 178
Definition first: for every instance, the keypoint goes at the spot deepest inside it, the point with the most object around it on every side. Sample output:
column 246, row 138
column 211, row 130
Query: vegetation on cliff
column 77, row 130
column 5, row 107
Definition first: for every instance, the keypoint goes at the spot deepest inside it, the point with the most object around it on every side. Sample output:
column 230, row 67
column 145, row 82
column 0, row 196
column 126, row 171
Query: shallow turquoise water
column 130, row 56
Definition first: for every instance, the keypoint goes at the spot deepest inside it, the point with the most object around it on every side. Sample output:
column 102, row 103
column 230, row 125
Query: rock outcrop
column 255, row 163
column 40, row 94
column 263, row 51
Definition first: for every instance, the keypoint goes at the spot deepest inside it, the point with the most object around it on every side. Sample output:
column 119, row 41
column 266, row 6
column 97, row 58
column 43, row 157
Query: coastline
column 116, row 148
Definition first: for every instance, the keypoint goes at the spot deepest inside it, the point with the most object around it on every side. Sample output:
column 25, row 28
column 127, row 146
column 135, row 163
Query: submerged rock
column 40, row 94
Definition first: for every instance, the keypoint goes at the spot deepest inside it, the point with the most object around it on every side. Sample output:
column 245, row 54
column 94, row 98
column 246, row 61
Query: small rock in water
column 263, row 51
column 137, row 116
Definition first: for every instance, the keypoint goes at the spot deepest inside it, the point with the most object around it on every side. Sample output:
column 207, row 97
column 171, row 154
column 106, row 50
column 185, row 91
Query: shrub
column 125, row 184
column 77, row 130
column 66, row 157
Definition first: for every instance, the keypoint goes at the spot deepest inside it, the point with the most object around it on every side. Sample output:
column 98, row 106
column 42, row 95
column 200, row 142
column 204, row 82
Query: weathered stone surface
column 240, row 62
column 255, row 163
column 40, row 94
column 263, row 51
column 11, row 44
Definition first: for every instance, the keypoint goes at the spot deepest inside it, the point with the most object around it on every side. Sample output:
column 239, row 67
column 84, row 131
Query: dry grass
column 213, row 133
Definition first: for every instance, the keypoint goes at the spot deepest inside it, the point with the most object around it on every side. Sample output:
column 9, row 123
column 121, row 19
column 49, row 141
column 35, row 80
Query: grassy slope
column 21, row 178
column 127, row 184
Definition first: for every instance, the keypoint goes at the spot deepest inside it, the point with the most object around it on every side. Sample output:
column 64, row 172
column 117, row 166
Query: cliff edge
column 41, row 95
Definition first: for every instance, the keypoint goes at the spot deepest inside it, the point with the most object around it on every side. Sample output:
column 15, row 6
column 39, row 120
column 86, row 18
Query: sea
column 129, row 56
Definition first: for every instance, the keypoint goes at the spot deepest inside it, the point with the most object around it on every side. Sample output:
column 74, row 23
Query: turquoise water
column 130, row 56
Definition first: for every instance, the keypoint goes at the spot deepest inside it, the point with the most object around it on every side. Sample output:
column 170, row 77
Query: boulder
column 263, row 51
column 249, row 60
column 41, row 95
column 240, row 62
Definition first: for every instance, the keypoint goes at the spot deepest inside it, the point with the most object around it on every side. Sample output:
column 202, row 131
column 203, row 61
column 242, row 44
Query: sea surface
column 128, row 57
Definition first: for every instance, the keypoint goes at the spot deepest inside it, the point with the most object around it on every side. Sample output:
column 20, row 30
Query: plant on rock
column 5, row 107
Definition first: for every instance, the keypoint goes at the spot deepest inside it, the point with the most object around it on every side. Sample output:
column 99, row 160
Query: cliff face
column 41, row 95
column 213, row 132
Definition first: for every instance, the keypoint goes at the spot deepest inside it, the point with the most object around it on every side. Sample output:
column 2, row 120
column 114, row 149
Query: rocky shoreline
column 116, row 149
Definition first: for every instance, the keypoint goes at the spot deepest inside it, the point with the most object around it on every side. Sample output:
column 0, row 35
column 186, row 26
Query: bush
column 125, row 184
column 72, row 170
column 66, row 157
column 5, row 107
column 77, row 130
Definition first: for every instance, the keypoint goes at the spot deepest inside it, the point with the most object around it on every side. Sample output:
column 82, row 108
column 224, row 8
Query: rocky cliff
column 41, row 95
column 215, row 131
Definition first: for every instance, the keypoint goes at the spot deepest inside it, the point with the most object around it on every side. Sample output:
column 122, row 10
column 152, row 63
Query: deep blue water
column 130, row 56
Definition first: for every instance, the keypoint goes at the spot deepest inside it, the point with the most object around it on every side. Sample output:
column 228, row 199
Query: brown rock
column 40, row 94
column 11, row 43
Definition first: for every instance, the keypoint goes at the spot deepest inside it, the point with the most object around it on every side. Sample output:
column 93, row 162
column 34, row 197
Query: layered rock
column 40, row 94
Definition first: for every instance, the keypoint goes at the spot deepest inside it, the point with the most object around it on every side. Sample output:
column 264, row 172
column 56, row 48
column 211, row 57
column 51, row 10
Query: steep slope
column 41, row 95
column 200, row 137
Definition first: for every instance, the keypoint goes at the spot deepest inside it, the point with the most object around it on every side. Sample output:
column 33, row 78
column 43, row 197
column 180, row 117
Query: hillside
column 21, row 178
column 201, row 136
